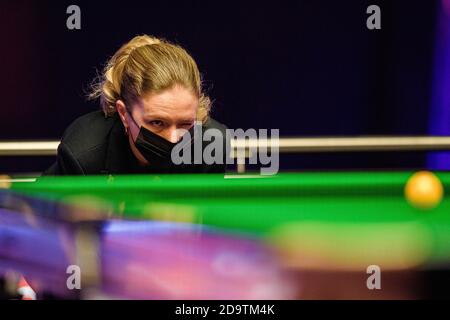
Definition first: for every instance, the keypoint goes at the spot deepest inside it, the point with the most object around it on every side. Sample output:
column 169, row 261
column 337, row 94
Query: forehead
column 173, row 103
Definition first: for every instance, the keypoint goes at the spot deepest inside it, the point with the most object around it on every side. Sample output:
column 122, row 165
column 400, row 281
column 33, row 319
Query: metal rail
column 285, row 145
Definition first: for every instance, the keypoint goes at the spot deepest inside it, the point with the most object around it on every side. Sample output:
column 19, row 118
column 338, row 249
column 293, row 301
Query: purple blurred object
column 37, row 248
column 141, row 259
column 440, row 103
column 162, row 260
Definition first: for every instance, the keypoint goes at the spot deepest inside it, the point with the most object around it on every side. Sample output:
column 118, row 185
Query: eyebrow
column 151, row 117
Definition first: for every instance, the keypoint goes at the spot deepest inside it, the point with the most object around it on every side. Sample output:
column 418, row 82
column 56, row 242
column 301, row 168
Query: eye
column 186, row 125
column 156, row 123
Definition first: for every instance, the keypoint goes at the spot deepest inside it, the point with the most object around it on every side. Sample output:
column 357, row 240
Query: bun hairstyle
column 148, row 65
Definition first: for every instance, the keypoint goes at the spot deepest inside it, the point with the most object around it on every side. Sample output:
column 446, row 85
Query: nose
column 172, row 135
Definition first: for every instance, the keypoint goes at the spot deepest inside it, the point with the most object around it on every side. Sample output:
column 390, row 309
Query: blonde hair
column 148, row 65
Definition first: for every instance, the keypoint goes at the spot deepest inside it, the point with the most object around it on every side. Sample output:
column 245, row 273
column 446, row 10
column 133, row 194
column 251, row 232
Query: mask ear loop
column 135, row 123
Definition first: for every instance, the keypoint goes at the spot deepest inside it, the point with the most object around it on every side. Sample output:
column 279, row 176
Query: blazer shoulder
column 88, row 132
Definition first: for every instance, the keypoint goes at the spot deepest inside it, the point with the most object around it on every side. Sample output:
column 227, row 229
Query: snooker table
column 325, row 231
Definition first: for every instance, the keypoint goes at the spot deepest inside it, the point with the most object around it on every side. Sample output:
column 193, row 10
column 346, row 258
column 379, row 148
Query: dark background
column 307, row 67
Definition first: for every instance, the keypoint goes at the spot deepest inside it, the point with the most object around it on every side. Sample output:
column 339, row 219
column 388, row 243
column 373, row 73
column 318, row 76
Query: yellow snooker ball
column 424, row 190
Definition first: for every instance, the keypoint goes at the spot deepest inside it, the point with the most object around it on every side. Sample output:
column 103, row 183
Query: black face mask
column 157, row 150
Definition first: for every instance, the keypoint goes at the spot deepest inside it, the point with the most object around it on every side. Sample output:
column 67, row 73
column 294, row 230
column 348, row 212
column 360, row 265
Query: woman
column 150, row 92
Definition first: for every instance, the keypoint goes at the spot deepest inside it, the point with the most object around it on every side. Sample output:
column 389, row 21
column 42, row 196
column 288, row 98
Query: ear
column 122, row 111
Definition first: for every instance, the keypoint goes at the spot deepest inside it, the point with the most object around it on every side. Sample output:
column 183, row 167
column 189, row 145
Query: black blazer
column 95, row 144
